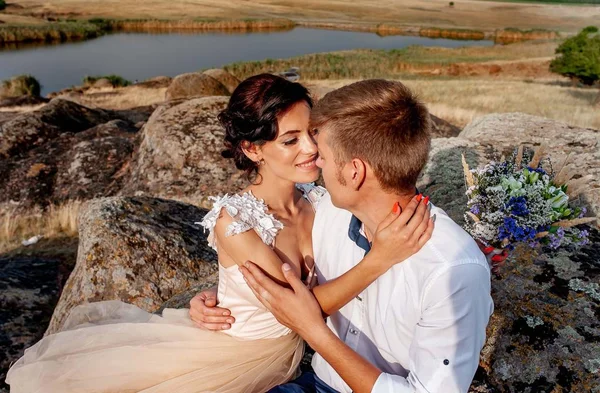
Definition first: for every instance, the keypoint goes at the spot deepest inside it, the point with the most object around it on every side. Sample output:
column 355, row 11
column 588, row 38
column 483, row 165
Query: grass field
column 391, row 63
column 432, row 13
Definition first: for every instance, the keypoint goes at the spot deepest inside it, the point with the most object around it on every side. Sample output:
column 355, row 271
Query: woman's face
column 293, row 154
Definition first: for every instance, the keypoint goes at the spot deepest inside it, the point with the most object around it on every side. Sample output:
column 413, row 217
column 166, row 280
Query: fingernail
column 225, row 326
column 247, row 264
column 225, row 313
column 396, row 208
column 230, row 320
column 433, row 218
column 419, row 197
column 426, row 200
column 286, row 267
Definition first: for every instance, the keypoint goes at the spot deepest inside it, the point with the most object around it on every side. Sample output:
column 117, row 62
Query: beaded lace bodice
column 253, row 321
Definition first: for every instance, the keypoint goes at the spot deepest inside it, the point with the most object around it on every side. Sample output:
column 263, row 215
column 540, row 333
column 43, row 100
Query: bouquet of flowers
column 523, row 200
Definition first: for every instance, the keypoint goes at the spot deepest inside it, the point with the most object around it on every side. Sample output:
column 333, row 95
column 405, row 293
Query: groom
column 418, row 328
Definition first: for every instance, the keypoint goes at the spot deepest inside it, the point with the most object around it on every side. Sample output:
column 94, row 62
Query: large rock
column 544, row 335
column 33, row 129
column 504, row 132
column 180, row 153
column 140, row 250
column 84, row 165
column 226, row 78
column 440, row 128
column 195, row 84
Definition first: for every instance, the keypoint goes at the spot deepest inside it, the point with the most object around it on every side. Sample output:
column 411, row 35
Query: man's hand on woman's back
column 205, row 313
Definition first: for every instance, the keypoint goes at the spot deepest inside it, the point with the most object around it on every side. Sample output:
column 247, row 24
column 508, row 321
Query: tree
column 451, row 4
column 579, row 57
column 2, row 5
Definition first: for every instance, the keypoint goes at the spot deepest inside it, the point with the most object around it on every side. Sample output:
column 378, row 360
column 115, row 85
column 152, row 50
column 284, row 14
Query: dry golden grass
column 53, row 222
column 118, row 98
column 437, row 13
column 461, row 100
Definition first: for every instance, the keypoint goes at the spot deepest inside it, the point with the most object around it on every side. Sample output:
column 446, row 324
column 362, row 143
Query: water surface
column 138, row 56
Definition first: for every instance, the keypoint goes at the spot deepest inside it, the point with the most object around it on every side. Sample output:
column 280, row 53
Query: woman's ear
column 252, row 151
column 357, row 173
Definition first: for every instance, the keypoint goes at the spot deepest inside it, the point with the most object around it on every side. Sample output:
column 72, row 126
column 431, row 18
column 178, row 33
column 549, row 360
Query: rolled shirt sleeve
column 448, row 339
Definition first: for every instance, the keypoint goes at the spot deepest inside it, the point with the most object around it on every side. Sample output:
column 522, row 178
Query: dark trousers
column 308, row 382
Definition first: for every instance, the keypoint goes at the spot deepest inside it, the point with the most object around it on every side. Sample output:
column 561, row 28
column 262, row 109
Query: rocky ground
column 146, row 173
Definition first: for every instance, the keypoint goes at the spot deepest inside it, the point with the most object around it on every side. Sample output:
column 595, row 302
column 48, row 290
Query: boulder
column 440, row 128
column 195, row 84
column 22, row 101
column 504, row 132
column 85, row 165
column 156, row 82
column 33, row 129
column 544, row 335
column 140, row 250
column 226, row 78
column 180, row 153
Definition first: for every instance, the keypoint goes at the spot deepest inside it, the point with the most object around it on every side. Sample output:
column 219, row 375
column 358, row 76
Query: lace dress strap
column 247, row 212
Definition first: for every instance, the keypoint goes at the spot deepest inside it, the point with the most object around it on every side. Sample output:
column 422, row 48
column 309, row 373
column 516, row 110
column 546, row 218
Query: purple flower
column 557, row 238
column 475, row 209
column 582, row 213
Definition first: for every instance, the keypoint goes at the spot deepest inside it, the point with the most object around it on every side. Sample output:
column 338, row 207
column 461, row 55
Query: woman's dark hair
column 252, row 113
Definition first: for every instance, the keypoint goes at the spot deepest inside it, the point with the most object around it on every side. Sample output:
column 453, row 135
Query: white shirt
column 423, row 322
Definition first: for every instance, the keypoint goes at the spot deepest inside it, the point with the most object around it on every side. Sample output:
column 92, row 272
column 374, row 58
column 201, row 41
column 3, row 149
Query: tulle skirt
column 116, row 347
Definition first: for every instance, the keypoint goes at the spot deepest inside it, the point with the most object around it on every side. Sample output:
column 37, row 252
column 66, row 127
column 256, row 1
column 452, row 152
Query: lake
column 139, row 56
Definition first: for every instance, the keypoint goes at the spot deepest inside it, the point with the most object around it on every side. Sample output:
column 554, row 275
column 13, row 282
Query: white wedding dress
column 111, row 346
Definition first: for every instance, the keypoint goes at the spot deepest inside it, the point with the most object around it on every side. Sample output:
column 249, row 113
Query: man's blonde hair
column 382, row 123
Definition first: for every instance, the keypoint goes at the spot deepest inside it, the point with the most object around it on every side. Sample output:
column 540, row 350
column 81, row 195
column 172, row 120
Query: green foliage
column 451, row 4
column 2, row 5
column 579, row 57
column 22, row 85
column 115, row 80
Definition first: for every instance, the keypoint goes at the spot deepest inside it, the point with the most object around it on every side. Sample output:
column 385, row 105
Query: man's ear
column 357, row 172
column 252, row 151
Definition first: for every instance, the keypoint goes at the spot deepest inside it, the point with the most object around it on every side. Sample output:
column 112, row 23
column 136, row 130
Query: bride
column 112, row 346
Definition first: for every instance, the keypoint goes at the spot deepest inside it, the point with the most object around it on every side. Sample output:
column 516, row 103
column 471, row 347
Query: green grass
column 362, row 63
column 115, row 80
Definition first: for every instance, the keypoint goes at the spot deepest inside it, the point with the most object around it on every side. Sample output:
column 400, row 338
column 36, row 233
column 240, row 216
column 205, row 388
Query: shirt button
column 353, row 331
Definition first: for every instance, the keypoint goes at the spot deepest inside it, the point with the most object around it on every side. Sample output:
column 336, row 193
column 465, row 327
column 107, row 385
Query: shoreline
column 72, row 31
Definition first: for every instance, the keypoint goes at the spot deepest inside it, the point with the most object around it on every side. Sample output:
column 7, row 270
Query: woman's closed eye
column 291, row 141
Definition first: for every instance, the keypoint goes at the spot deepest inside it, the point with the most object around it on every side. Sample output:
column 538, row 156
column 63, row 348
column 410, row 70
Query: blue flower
column 511, row 230
column 538, row 170
column 518, row 206
column 475, row 209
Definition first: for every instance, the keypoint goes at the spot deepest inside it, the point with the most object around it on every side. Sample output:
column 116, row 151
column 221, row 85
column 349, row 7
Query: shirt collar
column 356, row 236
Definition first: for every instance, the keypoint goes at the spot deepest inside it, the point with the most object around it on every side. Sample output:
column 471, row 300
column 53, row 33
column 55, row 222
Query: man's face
column 332, row 172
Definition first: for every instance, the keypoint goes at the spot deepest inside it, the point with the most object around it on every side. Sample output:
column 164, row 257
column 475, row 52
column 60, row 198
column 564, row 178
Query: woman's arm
column 398, row 237
column 248, row 246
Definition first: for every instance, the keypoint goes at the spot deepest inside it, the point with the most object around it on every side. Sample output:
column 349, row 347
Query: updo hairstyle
column 252, row 114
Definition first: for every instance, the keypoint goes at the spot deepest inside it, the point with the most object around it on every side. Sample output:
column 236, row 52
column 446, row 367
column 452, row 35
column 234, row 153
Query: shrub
column 451, row 4
column 579, row 57
column 22, row 85
column 2, row 5
column 115, row 80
